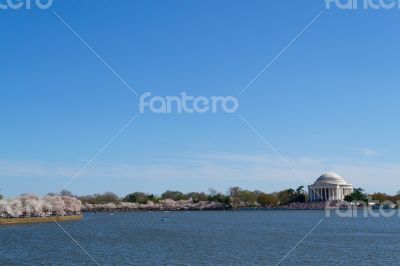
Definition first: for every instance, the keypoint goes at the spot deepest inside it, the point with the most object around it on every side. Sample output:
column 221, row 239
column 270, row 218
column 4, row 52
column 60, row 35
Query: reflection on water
column 204, row 238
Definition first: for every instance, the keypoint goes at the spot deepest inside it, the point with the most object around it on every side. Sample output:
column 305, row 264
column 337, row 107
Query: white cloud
column 253, row 171
column 34, row 169
column 367, row 152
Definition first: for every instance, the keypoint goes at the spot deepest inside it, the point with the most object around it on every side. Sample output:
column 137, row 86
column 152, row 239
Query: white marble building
column 329, row 186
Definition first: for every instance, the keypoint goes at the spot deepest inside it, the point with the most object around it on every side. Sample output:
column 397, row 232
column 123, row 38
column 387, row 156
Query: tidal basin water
column 205, row 238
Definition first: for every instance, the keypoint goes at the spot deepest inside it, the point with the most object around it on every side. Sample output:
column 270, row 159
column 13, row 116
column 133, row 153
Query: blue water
column 205, row 238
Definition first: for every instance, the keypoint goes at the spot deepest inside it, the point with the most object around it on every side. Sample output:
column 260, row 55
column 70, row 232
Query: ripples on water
column 205, row 238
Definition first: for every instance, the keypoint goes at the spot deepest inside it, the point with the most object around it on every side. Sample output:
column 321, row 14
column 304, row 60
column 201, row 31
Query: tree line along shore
column 31, row 206
column 66, row 203
column 234, row 198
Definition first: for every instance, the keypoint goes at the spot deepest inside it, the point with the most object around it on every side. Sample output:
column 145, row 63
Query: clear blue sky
column 329, row 103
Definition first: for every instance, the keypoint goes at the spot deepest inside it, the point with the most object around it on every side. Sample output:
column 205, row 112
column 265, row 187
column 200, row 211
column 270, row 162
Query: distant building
column 329, row 186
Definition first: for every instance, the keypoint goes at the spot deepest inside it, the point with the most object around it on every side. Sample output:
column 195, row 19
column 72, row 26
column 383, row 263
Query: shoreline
column 29, row 220
column 205, row 210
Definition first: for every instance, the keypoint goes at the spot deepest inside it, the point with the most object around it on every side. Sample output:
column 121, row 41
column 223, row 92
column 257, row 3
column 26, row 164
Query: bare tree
column 212, row 192
column 234, row 192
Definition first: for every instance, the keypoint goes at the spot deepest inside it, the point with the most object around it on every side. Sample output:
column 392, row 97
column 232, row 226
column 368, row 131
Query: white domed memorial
column 329, row 186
